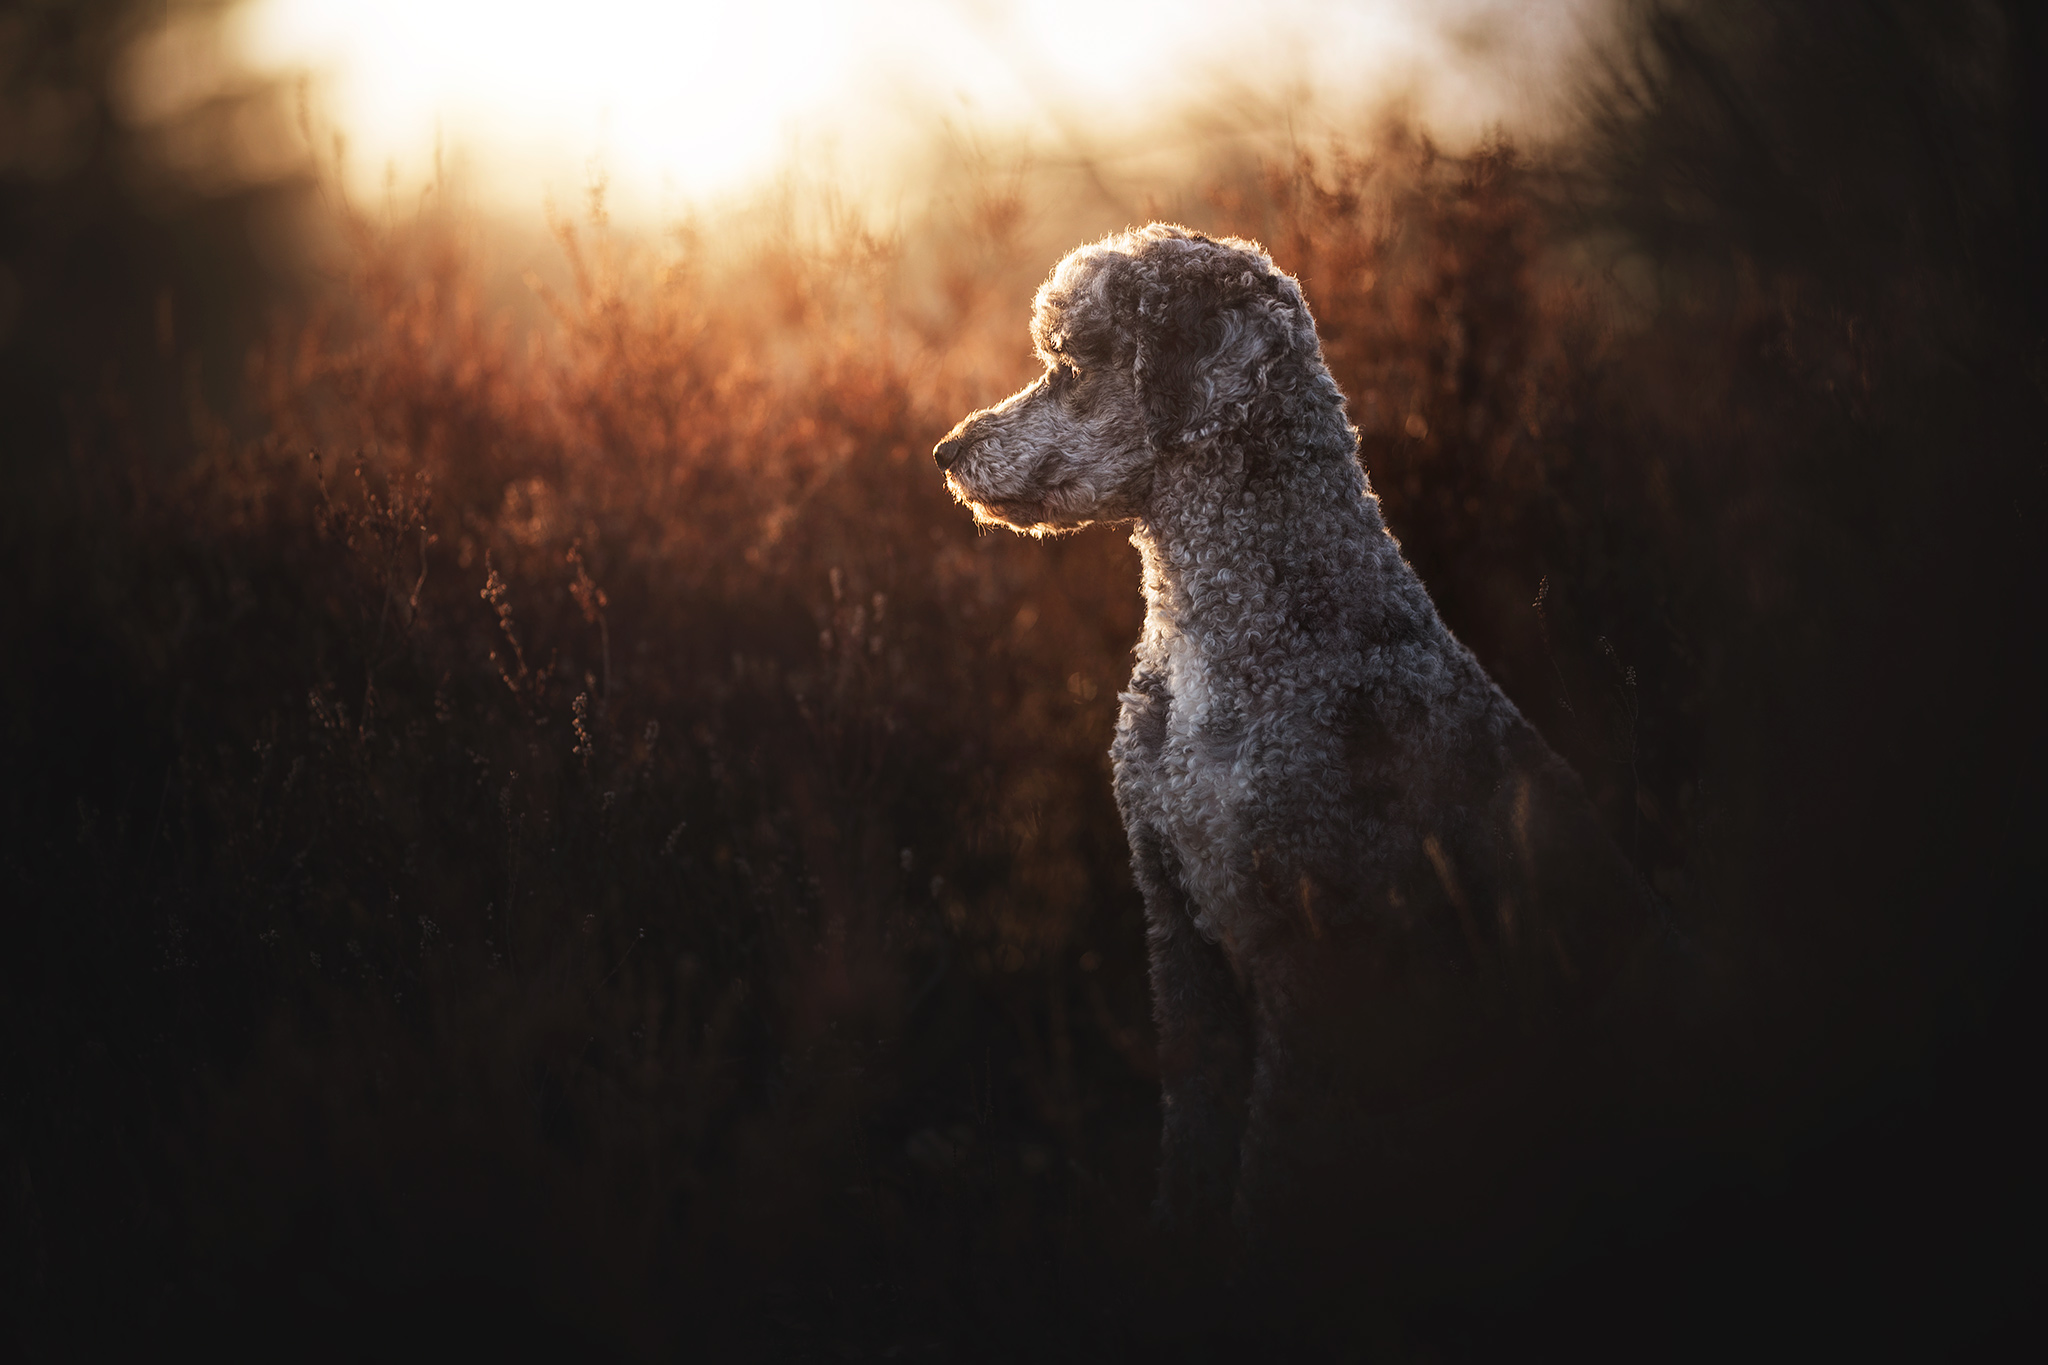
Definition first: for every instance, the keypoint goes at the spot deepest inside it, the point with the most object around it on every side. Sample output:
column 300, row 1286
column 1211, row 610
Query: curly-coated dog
column 1376, row 898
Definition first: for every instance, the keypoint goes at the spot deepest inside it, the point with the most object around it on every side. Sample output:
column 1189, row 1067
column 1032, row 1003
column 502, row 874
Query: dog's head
column 1155, row 342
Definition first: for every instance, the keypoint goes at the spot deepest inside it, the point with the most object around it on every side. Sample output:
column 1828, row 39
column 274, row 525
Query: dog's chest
column 1185, row 769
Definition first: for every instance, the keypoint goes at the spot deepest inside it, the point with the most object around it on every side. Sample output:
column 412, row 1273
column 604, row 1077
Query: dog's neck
column 1247, row 559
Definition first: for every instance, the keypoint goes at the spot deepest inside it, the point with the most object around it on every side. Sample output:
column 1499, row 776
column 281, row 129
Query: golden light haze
column 680, row 102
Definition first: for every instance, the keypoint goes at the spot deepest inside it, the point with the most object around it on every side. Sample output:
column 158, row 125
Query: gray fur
column 1357, row 857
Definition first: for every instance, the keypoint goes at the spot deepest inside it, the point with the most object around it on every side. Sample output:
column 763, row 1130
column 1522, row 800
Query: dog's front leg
column 1204, row 1050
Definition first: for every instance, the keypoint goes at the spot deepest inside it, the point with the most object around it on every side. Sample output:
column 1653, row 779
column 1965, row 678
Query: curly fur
column 1367, row 878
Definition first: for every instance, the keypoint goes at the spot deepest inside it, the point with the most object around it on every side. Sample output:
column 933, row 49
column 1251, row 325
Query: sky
column 682, row 102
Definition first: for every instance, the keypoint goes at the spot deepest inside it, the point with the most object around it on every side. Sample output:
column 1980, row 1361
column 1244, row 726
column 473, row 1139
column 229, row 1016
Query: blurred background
column 530, row 821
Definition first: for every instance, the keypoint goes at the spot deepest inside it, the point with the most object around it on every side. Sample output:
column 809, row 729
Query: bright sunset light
column 680, row 100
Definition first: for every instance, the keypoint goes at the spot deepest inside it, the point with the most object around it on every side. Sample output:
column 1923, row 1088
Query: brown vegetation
column 564, row 826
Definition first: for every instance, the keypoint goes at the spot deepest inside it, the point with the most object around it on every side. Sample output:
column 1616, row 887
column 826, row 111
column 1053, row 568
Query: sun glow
column 694, row 93
column 683, row 100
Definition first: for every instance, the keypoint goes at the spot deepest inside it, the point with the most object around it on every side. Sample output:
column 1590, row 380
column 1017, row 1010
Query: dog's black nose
column 945, row 452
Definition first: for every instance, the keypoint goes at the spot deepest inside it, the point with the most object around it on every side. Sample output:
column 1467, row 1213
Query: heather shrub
column 627, row 810
column 538, row 816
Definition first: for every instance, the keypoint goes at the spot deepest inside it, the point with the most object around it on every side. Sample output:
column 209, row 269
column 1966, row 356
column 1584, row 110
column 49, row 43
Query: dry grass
column 562, row 827
column 620, row 802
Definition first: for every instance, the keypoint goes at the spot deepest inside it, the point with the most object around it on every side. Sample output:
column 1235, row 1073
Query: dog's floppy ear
column 1221, row 338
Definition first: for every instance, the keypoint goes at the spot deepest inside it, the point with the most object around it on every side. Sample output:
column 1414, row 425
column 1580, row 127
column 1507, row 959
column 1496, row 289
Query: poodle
column 1372, row 891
